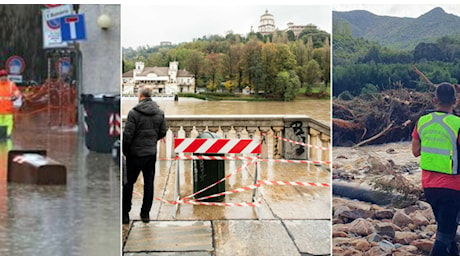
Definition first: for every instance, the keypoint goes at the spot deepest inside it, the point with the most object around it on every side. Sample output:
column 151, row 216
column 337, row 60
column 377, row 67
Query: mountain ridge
column 400, row 32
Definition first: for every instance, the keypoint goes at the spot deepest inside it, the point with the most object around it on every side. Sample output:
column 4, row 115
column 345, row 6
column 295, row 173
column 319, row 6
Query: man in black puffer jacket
column 144, row 126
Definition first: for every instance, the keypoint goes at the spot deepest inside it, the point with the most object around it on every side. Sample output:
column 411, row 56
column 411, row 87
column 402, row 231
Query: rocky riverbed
column 378, row 204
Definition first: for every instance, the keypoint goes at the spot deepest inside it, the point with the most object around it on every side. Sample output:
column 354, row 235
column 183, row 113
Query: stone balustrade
column 297, row 128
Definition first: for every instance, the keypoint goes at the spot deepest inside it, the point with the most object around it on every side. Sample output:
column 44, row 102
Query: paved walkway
column 294, row 220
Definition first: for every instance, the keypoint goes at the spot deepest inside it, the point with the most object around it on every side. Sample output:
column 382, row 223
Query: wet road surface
column 295, row 220
column 79, row 218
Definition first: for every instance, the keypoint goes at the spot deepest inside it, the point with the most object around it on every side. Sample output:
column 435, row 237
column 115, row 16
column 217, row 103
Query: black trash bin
column 116, row 152
column 207, row 172
column 102, row 121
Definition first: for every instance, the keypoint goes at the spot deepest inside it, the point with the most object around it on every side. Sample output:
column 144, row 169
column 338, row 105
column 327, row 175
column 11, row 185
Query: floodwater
column 235, row 230
column 79, row 218
column 317, row 109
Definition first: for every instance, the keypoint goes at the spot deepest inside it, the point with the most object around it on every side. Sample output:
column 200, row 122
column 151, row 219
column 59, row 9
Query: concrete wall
column 101, row 52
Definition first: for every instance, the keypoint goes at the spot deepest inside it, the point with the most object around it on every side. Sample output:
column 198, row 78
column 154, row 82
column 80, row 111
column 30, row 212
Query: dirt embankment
column 389, row 116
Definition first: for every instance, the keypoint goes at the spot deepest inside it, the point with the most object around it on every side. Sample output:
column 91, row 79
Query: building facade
column 164, row 80
column 267, row 23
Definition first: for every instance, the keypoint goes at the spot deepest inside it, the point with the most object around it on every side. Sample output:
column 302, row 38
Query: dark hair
column 445, row 94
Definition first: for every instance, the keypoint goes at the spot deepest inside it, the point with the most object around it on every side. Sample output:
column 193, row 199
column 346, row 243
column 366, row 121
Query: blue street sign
column 73, row 28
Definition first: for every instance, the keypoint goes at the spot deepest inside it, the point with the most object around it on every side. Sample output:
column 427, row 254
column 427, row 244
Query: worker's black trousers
column 446, row 208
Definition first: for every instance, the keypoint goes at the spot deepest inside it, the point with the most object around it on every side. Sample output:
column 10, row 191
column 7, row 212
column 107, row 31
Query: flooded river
column 79, row 218
column 316, row 109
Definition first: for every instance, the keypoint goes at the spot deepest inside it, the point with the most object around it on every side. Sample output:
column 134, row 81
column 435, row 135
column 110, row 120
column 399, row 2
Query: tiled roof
column 159, row 71
column 128, row 74
column 184, row 73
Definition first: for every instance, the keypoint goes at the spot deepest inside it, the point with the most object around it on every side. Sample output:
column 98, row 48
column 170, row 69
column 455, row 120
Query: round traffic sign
column 54, row 23
column 15, row 65
column 63, row 66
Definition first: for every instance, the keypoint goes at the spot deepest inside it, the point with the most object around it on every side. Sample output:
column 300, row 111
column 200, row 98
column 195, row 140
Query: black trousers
column 446, row 208
column 134, row 165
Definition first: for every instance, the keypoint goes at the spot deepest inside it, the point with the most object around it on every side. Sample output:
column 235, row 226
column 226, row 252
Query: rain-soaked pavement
column 79, row 218
column 294, row 220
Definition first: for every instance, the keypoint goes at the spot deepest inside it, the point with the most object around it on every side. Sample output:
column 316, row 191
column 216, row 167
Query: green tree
column 312, row 74
column 252, row 64
column 288, row 84
column 213, row 70
column 194, row 64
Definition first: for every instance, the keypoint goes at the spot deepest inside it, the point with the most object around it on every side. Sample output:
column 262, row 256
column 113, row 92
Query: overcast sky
column 149, row 25
column 180, row 22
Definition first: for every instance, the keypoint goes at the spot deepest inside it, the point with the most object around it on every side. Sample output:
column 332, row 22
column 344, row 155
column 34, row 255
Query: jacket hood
column 147, row 106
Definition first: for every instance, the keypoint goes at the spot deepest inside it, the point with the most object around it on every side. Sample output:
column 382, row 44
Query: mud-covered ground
column 385, row 212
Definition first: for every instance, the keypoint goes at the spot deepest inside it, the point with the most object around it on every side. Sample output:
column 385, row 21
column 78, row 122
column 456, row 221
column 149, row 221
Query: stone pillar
column 325, row 139
column 170, row 144
column 314, row 152
column 225, row 131
column 266, row 137
column 194, row 132
column 232, row 134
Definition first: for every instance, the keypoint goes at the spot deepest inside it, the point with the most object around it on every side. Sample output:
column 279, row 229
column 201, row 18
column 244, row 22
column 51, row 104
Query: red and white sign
column 51, row 25
column 15, row 65
column 198, row 145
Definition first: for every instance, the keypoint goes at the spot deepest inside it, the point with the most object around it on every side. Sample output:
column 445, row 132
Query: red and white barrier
column 192, row 145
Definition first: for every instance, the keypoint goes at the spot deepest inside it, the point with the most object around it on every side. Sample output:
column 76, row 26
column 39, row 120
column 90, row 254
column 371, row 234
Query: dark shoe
column 125, row 219
column 145, row 218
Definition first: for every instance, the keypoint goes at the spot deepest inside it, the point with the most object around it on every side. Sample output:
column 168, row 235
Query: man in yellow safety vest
column 435, row 140
column 8, row 94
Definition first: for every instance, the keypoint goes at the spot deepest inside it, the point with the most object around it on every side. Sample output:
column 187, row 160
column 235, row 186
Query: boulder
column 401, row 219
column 361, row 227
column 374, row 238
column 424, row 245
column 385, row 229
column 419, row 219
column 384, row 214
column 361, row 244
column 339, row 234
column 405, row 237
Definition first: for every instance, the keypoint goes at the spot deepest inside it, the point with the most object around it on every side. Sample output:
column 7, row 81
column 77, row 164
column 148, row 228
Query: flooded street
column 297, row 217
column 79, row 218
column 316, row 109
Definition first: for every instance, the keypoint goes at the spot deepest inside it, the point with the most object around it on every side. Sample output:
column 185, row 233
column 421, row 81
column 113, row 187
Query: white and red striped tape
column 207, row 157
column 198, row 145
column 243, row 204
column 294, row 183
column 303, row 144
column 250, row 187
column 244, row 158
column 225, row 204
column 85, row 115
column 114, row 124
column 226, row 177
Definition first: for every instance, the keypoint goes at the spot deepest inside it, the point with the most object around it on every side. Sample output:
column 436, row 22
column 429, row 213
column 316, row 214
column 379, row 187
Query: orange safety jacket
column 7, row 90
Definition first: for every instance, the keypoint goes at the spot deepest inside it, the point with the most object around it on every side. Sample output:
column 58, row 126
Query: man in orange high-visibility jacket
column 8, row 93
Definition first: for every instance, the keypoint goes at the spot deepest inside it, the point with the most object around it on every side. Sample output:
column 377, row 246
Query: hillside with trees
column 398, row 32
column 277, row 65
column 379, row 90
